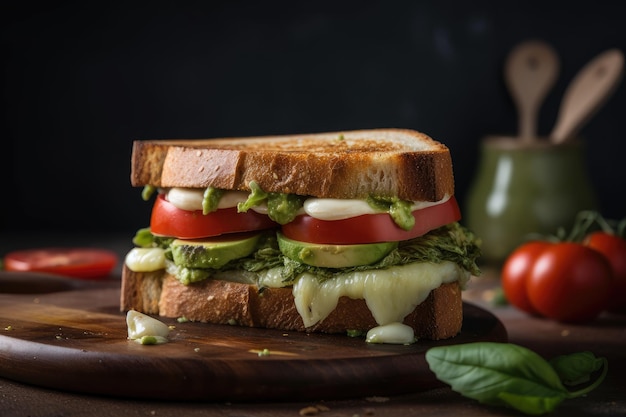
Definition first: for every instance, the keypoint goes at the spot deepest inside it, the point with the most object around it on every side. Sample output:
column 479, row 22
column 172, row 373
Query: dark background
column 81, row 81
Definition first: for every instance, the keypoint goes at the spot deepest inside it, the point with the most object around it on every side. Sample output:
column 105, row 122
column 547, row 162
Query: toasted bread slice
column 440, row 316
column 353, row 164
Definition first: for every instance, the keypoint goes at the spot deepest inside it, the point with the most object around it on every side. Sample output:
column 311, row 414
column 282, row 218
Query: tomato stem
column 584, row 220
column 584, row 224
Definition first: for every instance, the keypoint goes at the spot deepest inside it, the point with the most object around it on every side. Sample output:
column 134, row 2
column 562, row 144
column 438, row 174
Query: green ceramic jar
column 525, row 188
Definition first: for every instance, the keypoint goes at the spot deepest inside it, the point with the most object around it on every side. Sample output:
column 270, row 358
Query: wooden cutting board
column 70, row 335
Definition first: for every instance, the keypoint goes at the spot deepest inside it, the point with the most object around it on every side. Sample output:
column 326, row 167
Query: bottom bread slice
column 440, row 316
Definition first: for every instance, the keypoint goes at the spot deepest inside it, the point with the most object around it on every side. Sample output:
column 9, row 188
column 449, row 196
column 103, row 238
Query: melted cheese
column 392, row 333
column 390, row 294
column 145, row 259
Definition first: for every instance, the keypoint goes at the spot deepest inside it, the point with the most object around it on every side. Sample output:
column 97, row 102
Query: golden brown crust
column 440, row 316
column 351, row 164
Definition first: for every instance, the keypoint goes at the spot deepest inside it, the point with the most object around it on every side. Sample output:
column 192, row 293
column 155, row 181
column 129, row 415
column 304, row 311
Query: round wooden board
column 70, row 335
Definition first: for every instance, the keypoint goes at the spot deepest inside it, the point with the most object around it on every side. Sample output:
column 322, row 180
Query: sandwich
column 353, row 232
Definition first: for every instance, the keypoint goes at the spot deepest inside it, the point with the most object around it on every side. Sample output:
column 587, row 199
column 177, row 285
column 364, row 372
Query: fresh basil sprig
column 505, row 374
column 576, row 369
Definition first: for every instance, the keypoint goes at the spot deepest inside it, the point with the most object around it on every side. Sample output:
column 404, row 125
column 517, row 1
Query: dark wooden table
column 604, row 337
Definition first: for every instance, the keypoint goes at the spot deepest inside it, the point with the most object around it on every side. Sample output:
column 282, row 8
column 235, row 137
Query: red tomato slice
column 370, row 228
column 169, row 220
column 85, row 263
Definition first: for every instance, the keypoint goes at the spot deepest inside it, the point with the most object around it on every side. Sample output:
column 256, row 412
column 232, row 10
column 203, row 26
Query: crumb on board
column 313, row 410
column 377, row 399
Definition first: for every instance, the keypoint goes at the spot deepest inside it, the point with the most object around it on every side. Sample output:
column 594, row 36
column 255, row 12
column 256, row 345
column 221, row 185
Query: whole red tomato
column 613, row 247
column 515, row 272
column 569, row 282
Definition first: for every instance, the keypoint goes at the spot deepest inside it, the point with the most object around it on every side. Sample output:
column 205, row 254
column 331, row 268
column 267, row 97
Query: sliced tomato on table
column 370, row 228
column 169, row 220
column 88, row 263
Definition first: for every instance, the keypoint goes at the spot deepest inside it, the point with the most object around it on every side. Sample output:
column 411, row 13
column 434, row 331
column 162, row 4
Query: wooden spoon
column 587, row 92
column 530, row 71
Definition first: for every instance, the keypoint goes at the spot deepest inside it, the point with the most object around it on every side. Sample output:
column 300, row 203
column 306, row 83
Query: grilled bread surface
column 353, row 164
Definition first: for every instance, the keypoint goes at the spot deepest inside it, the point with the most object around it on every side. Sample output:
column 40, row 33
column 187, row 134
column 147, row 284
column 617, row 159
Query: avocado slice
column 334, row 256
column 213, row 252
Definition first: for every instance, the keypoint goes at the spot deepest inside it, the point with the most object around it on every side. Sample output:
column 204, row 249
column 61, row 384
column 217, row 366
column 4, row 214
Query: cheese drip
column 390, row 294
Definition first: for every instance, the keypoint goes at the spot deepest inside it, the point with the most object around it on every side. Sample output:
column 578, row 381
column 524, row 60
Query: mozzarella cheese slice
column 319, row 208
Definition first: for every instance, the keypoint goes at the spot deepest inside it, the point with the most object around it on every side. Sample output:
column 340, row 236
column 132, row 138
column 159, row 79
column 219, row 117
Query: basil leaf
column 576, row 368
column 500, row 374
column 531, row 405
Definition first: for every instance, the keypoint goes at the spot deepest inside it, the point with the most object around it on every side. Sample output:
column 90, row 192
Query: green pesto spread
column 399, row 210
column 211, row 199
column 147, row 192
column 281, row 207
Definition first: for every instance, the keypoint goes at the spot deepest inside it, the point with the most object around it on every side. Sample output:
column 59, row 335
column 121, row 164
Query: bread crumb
column 309, row 411
column 313, row 410
column 565, row 332
column 377, row 399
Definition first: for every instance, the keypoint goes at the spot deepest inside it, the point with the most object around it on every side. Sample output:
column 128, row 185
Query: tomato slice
column 370, row 228
column 85, row 263
column 169, row 220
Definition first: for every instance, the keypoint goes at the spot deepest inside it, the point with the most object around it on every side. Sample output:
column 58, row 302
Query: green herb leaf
column 531, row 405
column 501, row 374
column 576, row 368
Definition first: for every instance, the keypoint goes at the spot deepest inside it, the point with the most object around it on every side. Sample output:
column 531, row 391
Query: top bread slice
column 353, row 164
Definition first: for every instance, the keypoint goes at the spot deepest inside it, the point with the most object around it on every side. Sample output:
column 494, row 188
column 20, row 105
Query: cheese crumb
column 146, row 330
